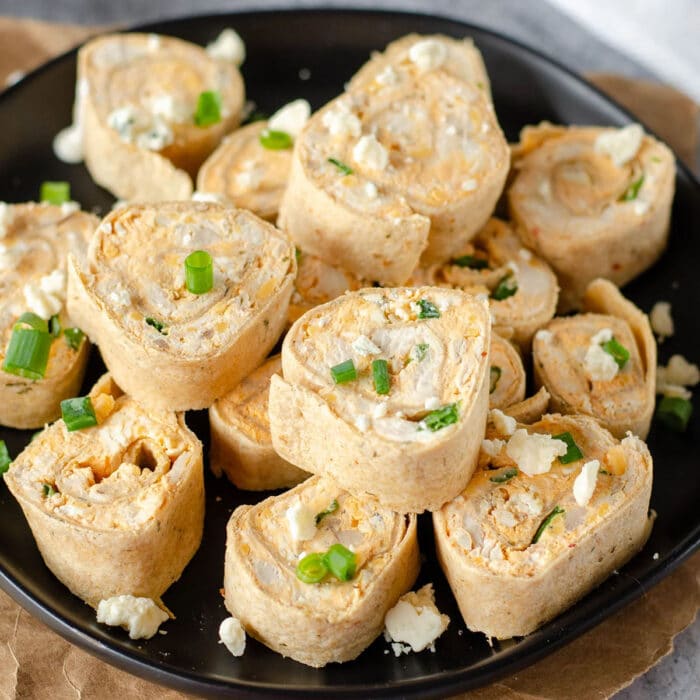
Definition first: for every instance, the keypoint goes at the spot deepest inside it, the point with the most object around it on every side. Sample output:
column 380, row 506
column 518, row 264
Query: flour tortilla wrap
column 116, row 509
column 331, row 621
column 506, row 584
column 318, row 282
column 168, row 347
column 428, row 163
column 592, row 202
column 497, row 246
column 624, row 402
column 386, row 446
column 241, row 446
column 35, row 240
column 138, row 97
column 458, row 57
column 506, row 374
column 246, row 173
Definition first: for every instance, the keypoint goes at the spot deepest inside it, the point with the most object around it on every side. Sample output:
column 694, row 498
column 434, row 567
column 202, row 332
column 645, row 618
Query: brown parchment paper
column 37, row 663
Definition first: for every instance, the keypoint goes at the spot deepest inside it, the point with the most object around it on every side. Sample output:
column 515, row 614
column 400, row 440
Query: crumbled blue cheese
column 544, row 335
column 492, row 447
column 199, row 196
column 228, row 46
column 157, row 137
column 428, row 54
column 534, row 452
column 171, row 109
column 673, row 379
column 232, row 636
column 141, row 617
column 68, row 144
column 415, row 620
column 369, row 153
column 620, row 145
column 291, row 118
column 585, row 482
column 363, row 346
column 661, row 320
column 125, row 120
column 600, row 366
column 340, row 121
column 469, row 185
column 45, row 298
column 504, row 424
column 301, row 521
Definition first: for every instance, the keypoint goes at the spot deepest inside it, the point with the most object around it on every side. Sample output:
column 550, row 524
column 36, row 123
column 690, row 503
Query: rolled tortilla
column 241, row 446
column 565, row 362
column 593, row 202
column 35, row 240
column 513, row 559
column 318, row 282
column 116, row 509
column 331, row 621
column 138, row 96
column 506, row 374
column 381, row 177
column 165, row 346
column 518, row 315
column 392, row 446
column 246, row 173
column 417, row 54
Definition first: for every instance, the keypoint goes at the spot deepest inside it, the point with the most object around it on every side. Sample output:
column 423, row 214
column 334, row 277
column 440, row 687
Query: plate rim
column 436, row 684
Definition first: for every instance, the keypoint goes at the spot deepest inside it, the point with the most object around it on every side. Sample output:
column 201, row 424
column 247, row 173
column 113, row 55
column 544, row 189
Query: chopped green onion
column 546, row 523
column 441, row 417
column 55, row 325
column 74, row 337
column 573, row 451
column 28, row 353
column 33, row 321
column 345, row 169
column 312, row 568
column 380, row 376
column 674, row 412
column 656, row 159
column 48, row 490
column 420, row 351
column 208, row 110
column 341, row 562
column 506, row 287
column 471, row 262
column 633, row 190
column 344, row 372
column 297, row 254
column 495, row 373
column 604, row 471
column 158, row 325
column 199, row 272
column 5, row 460
column 275, row 140
column 504, row 476
column 55, row 192
column 618, row 352
column 331, row 509
column 428, row 309
column 78, row 413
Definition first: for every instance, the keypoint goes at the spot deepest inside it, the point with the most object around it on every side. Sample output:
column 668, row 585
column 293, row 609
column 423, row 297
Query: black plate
column 332, row 44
